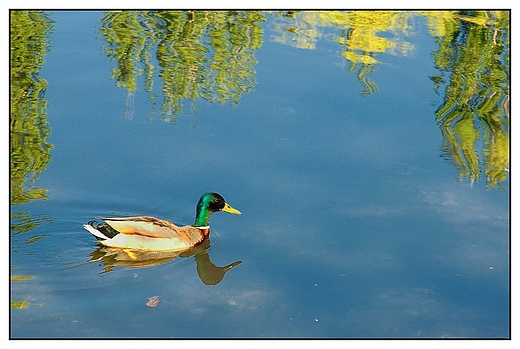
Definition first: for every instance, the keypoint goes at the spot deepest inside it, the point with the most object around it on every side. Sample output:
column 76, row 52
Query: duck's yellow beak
column 230, row 209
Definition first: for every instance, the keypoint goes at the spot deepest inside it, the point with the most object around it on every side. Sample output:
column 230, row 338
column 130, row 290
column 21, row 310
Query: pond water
column 367, row 151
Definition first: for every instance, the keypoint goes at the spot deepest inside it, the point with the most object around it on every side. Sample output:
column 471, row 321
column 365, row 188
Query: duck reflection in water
column 209, row 273
column 147, row 241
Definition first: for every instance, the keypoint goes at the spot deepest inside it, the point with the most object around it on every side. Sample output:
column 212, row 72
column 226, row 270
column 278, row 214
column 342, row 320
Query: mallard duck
column 152, row 234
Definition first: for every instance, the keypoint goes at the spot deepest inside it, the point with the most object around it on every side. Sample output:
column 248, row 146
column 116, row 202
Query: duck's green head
column 209, row 203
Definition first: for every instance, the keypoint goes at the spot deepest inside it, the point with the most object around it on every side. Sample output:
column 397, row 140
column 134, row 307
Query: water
column 357, row 222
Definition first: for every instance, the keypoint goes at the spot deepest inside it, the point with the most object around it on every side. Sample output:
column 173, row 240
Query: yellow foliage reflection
column 21, row 278
column 358, row 33
column 19, row 304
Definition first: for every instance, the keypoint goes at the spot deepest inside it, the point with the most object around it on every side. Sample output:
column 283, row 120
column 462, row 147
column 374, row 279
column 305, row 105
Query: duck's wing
column 146, row 226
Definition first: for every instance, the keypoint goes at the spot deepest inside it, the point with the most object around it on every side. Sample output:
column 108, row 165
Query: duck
column 145, row 233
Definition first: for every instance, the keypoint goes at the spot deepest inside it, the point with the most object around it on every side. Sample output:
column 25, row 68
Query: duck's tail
column 100, row 231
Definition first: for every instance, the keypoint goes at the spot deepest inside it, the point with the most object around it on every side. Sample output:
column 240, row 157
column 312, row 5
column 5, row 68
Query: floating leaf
column 153, row 302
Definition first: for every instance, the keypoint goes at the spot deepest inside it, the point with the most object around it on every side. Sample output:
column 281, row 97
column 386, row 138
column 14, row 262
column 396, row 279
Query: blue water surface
column 353, row 225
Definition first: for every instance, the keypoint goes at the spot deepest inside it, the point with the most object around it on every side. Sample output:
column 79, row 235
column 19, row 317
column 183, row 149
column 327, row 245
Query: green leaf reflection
column 198, row 54
column 30, row 153
column 473, row 60
column 25, row 223
column 28, row 126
